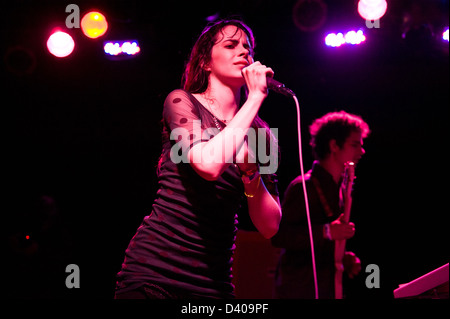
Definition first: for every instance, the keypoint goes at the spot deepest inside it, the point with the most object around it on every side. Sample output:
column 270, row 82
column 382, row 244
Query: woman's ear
column 206, row 67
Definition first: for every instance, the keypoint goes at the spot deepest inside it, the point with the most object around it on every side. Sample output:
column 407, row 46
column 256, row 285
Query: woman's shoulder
column 178, row 93
column 181, row 103
column 179, row 97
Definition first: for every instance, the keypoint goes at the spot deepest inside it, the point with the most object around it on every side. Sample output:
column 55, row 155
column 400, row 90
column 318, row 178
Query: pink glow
column 60, row 44
column 372, row 9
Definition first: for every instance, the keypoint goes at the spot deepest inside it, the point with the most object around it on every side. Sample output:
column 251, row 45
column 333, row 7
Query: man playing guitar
column 337, row 143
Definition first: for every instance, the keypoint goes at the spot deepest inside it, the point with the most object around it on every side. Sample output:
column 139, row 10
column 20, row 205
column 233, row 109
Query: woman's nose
column 244, row 52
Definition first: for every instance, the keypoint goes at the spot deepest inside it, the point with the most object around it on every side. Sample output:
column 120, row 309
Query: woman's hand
column 246, row 158
column 255, row 77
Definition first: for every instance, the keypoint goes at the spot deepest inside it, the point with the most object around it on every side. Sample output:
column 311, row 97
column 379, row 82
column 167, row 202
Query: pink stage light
column 60, row 44
column 372, row 9
column 445, row 35
column 351, row 37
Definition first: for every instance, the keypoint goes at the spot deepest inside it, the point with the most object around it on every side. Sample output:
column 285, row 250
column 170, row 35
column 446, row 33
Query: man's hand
column 352, row 264
column 340, row 230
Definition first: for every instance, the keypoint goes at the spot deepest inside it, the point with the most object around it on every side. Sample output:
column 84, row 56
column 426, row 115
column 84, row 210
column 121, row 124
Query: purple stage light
column 334, row 40
column 351, row 37
column 126, row 48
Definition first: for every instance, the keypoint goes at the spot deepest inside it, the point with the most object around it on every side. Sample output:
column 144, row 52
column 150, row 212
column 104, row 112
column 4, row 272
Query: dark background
column 81, row 135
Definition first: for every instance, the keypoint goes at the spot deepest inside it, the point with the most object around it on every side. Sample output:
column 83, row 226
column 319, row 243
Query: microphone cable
column 305, row 194
column 281, row 88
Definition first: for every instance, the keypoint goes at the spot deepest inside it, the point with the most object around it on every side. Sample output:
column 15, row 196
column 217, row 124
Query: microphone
column 278, row 87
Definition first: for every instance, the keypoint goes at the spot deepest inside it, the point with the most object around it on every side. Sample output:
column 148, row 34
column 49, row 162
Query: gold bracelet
column 252, row 195
column 250, row 172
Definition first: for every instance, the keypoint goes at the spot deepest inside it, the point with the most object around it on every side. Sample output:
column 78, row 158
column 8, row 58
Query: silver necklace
column 217, row 123
column 209, row 102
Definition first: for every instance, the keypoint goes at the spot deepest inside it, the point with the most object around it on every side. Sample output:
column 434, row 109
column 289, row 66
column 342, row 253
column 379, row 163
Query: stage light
column 334, row 40
column 351, row 37
column 121, row 49
column 60, row 44
column 445, row 35
column 94, row 24
column 372, row 9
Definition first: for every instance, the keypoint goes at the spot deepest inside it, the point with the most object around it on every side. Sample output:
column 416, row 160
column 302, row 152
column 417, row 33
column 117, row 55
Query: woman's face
column 230, row 55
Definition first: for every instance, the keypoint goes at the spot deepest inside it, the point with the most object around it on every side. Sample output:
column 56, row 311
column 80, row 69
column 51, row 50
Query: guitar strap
column 323, row 199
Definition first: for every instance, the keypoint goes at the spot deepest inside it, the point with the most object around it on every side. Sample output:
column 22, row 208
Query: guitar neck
column 339, row 245
column 348, row 184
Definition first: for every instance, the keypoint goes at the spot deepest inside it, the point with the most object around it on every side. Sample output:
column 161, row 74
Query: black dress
column 187, row 242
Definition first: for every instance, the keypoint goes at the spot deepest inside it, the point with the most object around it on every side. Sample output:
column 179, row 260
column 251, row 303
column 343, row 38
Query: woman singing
column 208, row 169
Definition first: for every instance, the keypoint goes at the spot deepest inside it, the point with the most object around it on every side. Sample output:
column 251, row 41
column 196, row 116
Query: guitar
column 339, row 245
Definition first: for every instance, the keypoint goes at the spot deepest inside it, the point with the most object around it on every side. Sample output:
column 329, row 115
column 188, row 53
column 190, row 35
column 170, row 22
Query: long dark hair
column 196, row 79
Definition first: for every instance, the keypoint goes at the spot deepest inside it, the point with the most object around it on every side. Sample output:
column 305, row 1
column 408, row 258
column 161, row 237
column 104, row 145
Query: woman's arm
column 263, row 207
column 210, row 159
